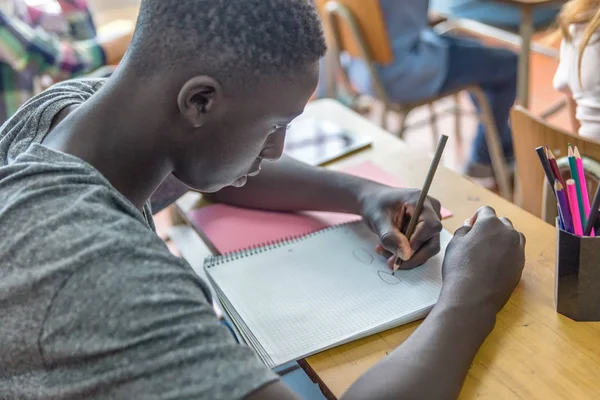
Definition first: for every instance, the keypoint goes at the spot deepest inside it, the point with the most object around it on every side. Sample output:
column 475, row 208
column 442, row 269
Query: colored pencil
column 593, row 213
column 578, row 192
column 563, row 206
column 554, row 166
column 584, row 191
column 541, row 152
column 423, row 196
column 574, row 206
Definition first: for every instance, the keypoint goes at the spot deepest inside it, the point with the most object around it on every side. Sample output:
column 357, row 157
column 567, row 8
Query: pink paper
column 232, row 228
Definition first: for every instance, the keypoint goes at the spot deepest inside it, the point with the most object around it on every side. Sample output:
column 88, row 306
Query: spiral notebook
column 299, row 296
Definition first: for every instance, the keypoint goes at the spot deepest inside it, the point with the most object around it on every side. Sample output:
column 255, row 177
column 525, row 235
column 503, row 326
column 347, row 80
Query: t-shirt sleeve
column 143, row 328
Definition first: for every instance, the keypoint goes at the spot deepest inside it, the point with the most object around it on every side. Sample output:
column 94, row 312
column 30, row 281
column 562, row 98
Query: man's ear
column 197, row 99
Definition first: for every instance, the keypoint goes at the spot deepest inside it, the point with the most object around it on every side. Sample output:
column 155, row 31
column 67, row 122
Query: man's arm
column 28, row 49
column 79, row 18
column 39, row 52
column 290, row 185
column 431, row 364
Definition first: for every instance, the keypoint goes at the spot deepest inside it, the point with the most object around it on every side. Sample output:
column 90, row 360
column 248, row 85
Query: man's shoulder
column 33, row 120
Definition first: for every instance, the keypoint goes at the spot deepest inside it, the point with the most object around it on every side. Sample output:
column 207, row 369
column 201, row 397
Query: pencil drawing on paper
column 388, row 278
column 363, row 256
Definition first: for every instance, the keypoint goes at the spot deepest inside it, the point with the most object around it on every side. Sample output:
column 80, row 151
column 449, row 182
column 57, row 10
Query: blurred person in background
column 55, row 39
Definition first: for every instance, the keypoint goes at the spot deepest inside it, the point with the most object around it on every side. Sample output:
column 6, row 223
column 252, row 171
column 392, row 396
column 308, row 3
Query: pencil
column 563, row 206
column 572, row 190
column 545, row 165
column 578, row 193
column 554, row 166
column 593, row 213
column 584, row 191
column 423, row 196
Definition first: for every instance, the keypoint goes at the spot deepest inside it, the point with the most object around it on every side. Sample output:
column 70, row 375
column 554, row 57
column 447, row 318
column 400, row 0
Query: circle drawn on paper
column 363, row 256
column 388, row 278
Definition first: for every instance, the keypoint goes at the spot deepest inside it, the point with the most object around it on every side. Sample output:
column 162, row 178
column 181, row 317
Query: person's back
column 420, row 56
column 427, row 64
column 577, row 74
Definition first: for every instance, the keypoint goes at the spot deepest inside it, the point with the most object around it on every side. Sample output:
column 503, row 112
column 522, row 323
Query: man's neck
column 111, row 133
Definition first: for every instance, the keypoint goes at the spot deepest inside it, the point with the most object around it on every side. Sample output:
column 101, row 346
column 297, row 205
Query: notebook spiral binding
column 213, row 261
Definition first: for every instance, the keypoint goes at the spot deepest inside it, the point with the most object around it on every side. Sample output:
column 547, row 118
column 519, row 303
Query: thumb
column 466, row 228
column 391, row 238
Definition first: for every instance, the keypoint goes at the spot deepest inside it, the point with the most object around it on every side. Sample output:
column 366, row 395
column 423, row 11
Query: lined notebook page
column 312, row 294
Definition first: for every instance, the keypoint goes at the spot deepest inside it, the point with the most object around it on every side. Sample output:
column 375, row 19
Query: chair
column 529, row 132
column 357, row 27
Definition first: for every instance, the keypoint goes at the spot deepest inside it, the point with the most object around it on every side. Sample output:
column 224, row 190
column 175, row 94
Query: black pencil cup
column 577, row 280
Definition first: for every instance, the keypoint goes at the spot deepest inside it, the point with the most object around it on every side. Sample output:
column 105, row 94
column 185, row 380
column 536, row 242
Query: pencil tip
column 557, row 185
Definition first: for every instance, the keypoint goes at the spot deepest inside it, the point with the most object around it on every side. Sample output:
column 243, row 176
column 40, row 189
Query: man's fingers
column 425, row 230
column 396, row 242
column 428, row 250
column 484, row 213
column 523, row 239
column 507, row 222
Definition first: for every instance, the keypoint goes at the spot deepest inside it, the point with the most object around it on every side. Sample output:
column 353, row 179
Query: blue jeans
column 495, row 71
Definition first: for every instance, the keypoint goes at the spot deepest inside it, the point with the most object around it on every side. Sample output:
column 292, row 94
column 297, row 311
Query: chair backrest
column 530, row 132
column 368, row 18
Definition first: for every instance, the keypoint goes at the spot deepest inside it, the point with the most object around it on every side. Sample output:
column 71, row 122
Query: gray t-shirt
column 92, row 303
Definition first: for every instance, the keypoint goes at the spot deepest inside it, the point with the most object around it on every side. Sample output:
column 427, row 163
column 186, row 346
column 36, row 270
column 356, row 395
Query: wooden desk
column 533, row 353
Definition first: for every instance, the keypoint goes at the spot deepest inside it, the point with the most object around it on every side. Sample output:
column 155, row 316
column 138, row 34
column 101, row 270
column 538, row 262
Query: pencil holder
column 577, row 280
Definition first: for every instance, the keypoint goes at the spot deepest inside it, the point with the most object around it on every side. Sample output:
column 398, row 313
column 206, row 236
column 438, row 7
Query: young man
column 94, row 305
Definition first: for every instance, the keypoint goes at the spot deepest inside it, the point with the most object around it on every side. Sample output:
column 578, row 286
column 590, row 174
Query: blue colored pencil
column 563, row 206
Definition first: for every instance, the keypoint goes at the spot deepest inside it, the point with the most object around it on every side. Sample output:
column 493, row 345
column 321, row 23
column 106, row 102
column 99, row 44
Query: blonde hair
column 580, row 12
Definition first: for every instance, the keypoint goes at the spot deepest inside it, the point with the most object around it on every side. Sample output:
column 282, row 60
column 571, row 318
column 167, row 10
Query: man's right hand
column 485, row 260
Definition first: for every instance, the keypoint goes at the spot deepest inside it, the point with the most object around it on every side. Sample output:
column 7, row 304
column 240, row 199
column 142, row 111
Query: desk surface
column 533, row 353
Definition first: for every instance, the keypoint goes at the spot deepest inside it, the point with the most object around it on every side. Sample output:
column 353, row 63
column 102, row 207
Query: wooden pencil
column 563, row 206
column 578, row 192
column 591, row 221
column 541, row 152
column 554, row 166
column 423, row 196
column 584, row 191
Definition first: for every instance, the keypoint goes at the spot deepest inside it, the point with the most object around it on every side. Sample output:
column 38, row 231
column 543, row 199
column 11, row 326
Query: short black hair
column 237, row 40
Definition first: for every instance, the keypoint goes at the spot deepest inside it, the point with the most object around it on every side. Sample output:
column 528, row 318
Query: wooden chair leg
column 434, row 125
column 403, row 115
column 492, row 139
column 457, row 119
column 383, row 122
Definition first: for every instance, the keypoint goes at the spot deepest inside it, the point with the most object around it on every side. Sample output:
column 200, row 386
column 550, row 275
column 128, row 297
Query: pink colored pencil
column 584, row 191
column 574, row 206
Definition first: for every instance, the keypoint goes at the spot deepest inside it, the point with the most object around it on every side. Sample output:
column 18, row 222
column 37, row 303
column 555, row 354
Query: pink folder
column 231, row 228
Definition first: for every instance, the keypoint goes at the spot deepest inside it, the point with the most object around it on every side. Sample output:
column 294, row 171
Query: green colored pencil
column 577, row 179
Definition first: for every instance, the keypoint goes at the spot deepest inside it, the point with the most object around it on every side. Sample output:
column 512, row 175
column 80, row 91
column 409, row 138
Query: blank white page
column 326, row 289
